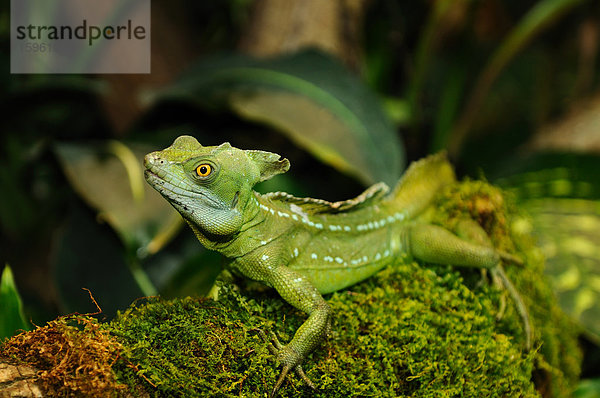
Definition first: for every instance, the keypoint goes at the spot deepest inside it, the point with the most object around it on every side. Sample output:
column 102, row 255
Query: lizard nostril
column 152, row 159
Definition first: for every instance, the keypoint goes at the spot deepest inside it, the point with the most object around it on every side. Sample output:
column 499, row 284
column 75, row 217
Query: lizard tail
column 420, row 183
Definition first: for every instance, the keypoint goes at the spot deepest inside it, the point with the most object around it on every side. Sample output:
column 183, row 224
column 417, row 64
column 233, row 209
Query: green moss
column 427, row 334
column 411, row 330
column 191, row 347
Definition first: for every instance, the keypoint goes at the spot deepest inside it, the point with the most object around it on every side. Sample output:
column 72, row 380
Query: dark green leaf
column 312, row 99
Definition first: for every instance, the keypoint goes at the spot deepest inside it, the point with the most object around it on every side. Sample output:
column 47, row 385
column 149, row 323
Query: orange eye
column 204, row 170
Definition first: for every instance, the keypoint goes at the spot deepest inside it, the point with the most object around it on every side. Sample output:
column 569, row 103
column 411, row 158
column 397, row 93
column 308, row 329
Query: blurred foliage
column 11, row 307
column 109, row 178
column 509, row 87
column 588, row 389
column 561, row 197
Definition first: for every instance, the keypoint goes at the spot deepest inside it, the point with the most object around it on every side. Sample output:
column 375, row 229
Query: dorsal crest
column 311, row 206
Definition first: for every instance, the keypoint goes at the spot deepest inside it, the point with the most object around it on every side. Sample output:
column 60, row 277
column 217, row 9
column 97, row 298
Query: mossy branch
column 411, row 330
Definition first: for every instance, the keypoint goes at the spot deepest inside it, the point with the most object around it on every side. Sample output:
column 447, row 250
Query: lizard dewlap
column 304, row 247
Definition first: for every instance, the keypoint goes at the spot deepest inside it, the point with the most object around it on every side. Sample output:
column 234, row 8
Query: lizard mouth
column 176, row 194
column 153, row 179
column 150, row 176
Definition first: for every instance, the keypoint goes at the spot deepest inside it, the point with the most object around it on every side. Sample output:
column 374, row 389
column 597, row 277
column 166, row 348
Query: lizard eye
column 204, row 170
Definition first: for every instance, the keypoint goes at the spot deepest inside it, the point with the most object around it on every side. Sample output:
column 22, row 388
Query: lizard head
column 210, row 185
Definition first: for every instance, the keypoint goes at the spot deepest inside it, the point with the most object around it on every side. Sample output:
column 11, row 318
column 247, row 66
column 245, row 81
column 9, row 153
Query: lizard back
column 337, row 244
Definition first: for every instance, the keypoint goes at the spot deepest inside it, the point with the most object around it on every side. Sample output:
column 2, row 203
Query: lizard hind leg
column 435, row 244
column 470, row 230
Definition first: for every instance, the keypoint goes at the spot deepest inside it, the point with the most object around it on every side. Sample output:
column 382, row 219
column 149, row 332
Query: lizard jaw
column 207, row 216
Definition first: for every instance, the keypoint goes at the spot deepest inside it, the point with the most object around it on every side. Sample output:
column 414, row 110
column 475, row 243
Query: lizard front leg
column 297, row 290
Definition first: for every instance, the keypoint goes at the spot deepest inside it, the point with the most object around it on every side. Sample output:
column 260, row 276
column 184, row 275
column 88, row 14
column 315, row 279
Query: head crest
column 186, row 142
column 269, row 164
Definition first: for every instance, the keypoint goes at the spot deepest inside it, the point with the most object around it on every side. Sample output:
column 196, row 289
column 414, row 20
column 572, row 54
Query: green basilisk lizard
column 304, row 247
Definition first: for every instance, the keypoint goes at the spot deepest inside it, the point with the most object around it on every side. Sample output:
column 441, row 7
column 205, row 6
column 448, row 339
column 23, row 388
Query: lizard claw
column 274, row 345
column 504, row 256
column 302, row 375
column 284, row 373
column 279, row 350
column 520, row 305
column 280, row 380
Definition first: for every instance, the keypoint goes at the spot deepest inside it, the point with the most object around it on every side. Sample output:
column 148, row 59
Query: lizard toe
column 302, row 375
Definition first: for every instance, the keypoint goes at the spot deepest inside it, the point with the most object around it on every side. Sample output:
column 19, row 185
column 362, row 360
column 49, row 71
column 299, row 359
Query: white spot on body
column 339, row 260
column 264, row 257
column 395, row 245
column 399, row 216
column 298, row 210
column 314, row 256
